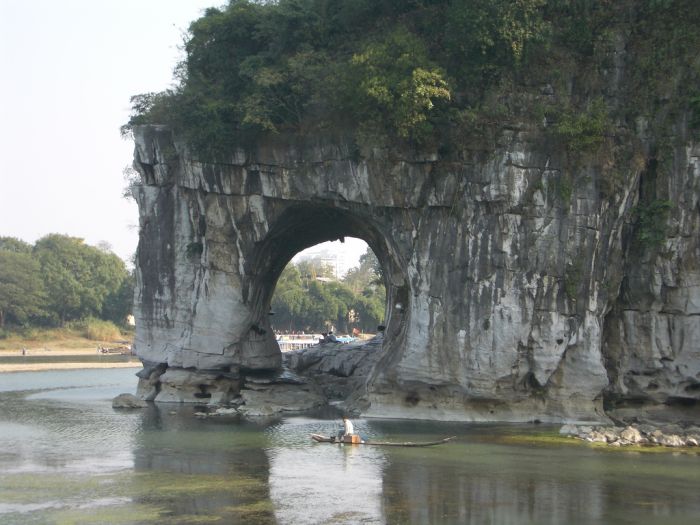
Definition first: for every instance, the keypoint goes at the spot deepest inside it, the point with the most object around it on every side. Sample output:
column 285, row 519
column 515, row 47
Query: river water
column 67, row 457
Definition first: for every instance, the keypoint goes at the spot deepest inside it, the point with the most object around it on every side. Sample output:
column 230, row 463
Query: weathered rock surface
column 668, row 436
column 507, row 300
column 339, row 370
column 190, row 386
column 631, row 435
column 128, row 401
column 650, row 342
column 266, row 400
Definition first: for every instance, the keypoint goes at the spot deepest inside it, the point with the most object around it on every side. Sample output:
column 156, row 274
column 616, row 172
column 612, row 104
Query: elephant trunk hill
column 546, row 266
column 505, row 300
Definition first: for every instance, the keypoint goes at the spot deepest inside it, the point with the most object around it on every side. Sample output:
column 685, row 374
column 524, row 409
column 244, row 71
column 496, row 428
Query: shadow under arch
column 301, row 226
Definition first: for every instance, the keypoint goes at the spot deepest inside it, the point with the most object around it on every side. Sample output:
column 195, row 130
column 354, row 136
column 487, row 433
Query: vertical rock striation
column 652, row 334
column 508, row 297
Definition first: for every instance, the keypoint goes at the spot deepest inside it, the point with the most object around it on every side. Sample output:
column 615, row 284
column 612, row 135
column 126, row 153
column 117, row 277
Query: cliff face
column 524, row 281
column 506, row 299
column 651, row 340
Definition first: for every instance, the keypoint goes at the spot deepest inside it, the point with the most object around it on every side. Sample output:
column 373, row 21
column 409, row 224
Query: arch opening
column 332, row 288
column 300, row 227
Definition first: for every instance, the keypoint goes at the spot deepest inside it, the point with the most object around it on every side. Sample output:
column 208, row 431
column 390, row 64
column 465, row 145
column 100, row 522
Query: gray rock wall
column 652, row 334
column 507, row 300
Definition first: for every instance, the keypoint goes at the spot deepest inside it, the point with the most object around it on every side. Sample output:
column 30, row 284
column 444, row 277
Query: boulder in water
column 128, row 401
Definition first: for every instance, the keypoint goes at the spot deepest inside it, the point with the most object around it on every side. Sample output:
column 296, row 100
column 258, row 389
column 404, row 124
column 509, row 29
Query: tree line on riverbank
column 308, row 298
column 60, row 280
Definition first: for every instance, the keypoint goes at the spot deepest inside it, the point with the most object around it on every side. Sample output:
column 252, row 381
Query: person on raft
column 348, row 429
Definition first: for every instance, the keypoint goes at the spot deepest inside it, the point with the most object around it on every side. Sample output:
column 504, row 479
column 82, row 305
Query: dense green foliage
column 308, row 299
column 61, row 279
column 584, row 131
column 386, row 68
column 430, row 72
column 21, row 287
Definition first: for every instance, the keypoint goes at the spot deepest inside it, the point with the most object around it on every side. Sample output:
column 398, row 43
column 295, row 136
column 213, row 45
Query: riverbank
column 75, row 365
column 64, row 353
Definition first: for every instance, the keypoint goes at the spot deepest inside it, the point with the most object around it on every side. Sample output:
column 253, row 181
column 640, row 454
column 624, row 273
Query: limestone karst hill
column 538, row 224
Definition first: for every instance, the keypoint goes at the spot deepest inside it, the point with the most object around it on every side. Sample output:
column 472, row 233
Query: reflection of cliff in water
column 202, row 468
column 505, row 485
column 422, row 494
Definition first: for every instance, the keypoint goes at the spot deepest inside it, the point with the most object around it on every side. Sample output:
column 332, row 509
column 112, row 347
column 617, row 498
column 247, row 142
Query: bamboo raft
column 325, row 439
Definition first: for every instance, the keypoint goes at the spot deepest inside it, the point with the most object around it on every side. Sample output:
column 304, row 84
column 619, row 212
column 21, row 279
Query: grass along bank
column 77, row 346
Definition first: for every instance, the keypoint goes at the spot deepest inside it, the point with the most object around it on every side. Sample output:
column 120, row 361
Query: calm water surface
column 67, row 457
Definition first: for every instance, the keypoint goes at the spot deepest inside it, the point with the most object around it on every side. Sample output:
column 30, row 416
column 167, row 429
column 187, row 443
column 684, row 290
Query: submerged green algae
column 128, row 497
column 114, row 515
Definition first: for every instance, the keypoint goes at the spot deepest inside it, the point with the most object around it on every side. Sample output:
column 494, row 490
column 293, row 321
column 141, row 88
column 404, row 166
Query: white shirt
column 348, row 427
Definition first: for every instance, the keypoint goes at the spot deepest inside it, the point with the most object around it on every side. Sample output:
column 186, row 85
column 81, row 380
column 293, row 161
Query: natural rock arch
column 302, row 225
column 504, row 286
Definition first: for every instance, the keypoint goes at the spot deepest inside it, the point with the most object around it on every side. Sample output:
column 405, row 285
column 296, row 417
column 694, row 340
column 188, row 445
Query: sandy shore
column 57, row 350
column 37, row 367
column 53, row 350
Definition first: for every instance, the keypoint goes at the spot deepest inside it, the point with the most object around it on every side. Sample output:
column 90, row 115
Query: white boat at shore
column 289, row 342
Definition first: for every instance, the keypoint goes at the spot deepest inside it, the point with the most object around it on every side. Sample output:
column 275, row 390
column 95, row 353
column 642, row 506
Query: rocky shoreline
column 640, row 435
column 311, row 378
column 335, row 375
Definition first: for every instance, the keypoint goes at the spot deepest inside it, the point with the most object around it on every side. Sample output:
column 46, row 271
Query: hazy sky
column 68, row 69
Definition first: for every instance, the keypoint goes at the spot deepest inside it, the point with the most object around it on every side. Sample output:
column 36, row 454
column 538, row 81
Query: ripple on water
column 64, row 455
column 24, row 508
column 13, row 433
column 22, row 381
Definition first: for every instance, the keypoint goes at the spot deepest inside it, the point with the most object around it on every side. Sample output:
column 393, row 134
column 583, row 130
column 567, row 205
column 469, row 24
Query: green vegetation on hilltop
column 61, row 280
column 386, row 68
column 427, row 72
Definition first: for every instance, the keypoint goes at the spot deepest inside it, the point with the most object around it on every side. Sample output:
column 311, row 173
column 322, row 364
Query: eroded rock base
column 309, row 379
column 340, row 370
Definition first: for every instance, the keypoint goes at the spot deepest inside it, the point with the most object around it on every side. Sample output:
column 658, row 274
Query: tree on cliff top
column 387, row 68
column 444, row 74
